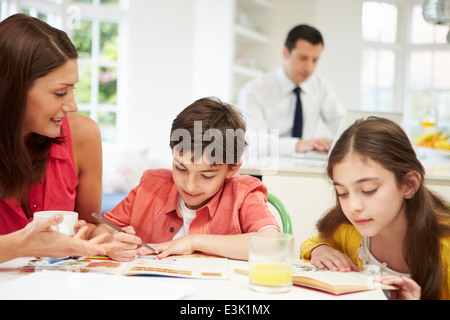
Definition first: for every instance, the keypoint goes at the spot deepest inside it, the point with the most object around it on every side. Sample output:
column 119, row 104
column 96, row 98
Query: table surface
column 436, row 169
column 234, row 288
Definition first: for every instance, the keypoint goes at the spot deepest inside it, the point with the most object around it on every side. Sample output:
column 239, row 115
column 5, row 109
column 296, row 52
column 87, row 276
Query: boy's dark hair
column 210, row 128
column 305, row 32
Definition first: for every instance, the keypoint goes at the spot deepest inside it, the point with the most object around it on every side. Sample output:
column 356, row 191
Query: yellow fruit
column 442, row 144
column 433, row 140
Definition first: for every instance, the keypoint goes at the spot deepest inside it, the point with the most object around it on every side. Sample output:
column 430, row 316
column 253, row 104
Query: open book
column 305, row 274
column 187, row 266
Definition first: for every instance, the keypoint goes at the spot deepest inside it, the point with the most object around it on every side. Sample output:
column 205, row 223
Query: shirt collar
column 210, row 206
column 286, row 84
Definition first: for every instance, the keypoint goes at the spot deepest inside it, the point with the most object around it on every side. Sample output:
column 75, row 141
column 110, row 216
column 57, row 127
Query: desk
column 235, row 288
column 306, row 191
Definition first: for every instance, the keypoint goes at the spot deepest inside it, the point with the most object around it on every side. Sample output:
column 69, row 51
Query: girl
column 50, row 158
column 384, row 214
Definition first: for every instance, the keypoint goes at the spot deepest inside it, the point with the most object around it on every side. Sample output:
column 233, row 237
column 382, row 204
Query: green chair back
column 284, row 215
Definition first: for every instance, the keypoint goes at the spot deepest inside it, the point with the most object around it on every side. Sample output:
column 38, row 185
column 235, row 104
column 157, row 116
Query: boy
column 202, row 204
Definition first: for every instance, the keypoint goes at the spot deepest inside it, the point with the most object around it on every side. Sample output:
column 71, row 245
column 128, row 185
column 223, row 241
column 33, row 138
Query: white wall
column 340, row 24
column 160, row 71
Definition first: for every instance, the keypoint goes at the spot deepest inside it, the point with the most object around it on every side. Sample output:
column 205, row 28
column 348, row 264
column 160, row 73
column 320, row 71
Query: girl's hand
column 324, row 256
column 183, row 245
column 408, row 288
column 123, row 246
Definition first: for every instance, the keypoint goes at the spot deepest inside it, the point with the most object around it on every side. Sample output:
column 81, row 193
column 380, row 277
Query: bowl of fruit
column 436, row 144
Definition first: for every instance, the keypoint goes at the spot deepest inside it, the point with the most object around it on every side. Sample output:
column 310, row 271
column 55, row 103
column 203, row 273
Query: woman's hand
column 39, row 239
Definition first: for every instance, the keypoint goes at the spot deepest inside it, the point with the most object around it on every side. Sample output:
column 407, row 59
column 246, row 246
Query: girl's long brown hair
column 29, row 49
column 427, row 213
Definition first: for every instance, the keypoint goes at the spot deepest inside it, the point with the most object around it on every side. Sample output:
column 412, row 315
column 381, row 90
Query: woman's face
column 50, row 99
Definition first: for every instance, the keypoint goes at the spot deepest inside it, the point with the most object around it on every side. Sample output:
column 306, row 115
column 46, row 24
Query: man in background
column 293, row 100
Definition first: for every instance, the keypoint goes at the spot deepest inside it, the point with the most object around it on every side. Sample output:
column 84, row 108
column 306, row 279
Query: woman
column 50, row 157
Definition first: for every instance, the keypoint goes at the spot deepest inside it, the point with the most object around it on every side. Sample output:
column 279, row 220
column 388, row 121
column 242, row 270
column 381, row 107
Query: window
column 428, row 88
column 379, row 33
column 96, row 36
column 96, row 29
column 405, row 64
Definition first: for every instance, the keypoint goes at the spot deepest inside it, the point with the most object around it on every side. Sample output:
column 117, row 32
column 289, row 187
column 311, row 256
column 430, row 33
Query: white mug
column 66, row 226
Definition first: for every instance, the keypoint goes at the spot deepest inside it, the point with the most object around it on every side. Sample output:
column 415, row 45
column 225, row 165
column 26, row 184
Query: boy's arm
column 230, row 246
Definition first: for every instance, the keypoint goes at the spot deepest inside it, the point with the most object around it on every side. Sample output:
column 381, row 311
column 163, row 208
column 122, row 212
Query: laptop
column 350, row 117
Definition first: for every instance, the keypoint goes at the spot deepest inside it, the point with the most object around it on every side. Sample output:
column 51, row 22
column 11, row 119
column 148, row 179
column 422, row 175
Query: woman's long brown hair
column 29, row 49
column 427, row 213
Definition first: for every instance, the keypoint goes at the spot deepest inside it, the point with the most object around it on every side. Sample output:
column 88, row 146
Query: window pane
column 107, row 86
column 368, row 99
column 443, row 103
column 388, row 23
column 107, row 123
column 442, row 70
column 421, row 99
column 369, row 68
column 421, row 69
column 379, row 22
column 386, row 68
column 110, row 2
column 370, row 21
column 423, row 32
column 83, row 87
column 82, row 39
column 109, row 33
column 42, row 16
column 385, row 100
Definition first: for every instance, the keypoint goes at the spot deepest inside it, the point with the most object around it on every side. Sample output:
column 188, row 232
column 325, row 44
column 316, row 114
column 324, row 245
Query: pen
column 112, row 225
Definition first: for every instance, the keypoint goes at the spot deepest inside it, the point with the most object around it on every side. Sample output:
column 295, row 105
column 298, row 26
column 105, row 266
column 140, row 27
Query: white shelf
column 257, row 4
column 247, row 71
column 246, row 34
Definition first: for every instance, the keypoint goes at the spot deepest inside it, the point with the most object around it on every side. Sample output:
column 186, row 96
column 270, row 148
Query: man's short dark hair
column 305, row 32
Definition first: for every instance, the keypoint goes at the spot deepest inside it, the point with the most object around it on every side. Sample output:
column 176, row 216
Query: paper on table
column 57, row 285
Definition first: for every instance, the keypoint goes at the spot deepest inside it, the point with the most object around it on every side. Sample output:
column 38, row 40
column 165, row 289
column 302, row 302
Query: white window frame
column 98, row 14
column 409, row 48
column 403, row 48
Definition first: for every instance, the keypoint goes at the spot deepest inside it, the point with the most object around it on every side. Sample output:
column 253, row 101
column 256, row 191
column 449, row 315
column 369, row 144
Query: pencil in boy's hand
column 112, row 225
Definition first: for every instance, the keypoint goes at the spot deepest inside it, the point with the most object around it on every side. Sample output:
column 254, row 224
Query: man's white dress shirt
column 269, row 103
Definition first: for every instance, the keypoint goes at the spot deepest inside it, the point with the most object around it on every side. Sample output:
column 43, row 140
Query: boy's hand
column 182, row 245
column 123, row 246
column 326, row 257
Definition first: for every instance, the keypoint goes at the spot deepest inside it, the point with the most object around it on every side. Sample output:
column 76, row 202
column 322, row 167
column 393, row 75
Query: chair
column 284, row 215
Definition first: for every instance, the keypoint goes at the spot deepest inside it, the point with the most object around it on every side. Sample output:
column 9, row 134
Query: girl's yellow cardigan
column 347, row 240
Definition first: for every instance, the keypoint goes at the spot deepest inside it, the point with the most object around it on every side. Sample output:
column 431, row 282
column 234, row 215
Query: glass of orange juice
column 270, row 262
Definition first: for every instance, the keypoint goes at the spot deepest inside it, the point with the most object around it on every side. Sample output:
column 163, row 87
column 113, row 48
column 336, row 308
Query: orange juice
column 270, row 274
column 427, row 124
